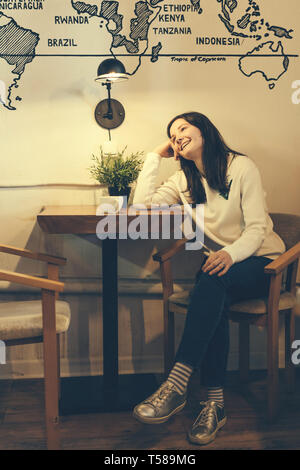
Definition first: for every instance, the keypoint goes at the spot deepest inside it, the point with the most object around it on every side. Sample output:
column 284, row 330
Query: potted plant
column 117, row 172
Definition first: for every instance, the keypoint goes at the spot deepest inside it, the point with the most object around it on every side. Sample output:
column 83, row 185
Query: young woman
column 239, row 243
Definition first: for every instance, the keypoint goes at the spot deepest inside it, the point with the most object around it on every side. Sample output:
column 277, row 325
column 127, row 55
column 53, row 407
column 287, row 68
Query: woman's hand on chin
column 166, row 150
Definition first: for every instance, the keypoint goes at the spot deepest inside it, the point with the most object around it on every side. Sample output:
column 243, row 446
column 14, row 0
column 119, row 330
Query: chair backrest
column 287, row 226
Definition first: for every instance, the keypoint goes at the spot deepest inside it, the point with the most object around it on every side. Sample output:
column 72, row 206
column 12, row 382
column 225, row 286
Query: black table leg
column 110, row 316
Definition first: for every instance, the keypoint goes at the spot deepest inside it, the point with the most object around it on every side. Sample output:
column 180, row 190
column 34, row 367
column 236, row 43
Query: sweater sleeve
column 146, row 191
column 254, row 215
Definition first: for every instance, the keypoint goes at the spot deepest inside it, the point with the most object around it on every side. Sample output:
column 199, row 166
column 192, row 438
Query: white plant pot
column 110, row 204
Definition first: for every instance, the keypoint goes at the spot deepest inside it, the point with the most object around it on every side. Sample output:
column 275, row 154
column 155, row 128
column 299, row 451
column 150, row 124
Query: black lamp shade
column 111, row 70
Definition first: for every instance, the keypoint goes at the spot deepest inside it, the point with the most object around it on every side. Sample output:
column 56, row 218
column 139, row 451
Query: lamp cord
column 109, row 135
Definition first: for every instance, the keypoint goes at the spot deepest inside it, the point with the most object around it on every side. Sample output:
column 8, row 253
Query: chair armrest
column 278, row 265
column 30, row 254
column 32, row 281
column 164, row 258
column 170, row 251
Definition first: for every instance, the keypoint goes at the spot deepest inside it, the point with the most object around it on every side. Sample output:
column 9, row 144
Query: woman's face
column 186, row 139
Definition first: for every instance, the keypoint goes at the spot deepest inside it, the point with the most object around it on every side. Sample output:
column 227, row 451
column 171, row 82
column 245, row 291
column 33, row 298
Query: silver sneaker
column 160, row 406
column 212, row 417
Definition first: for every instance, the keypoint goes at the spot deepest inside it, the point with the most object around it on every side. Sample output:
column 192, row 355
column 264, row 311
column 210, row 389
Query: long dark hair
column 214, row 158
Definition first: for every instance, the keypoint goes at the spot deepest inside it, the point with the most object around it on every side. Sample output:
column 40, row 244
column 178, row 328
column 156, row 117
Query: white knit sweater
column 240, row 224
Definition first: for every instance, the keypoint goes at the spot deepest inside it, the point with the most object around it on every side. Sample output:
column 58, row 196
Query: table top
column 83, row 219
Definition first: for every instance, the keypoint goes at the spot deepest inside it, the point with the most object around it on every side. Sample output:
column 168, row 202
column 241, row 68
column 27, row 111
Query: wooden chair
column 261, row 312
column 26, row 322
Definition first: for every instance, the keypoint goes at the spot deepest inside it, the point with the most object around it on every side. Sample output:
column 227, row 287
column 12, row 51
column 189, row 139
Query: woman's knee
column 206, row 280
column 208, row 288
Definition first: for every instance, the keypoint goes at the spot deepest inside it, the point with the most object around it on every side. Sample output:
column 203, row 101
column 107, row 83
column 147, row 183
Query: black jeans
column 205, row 340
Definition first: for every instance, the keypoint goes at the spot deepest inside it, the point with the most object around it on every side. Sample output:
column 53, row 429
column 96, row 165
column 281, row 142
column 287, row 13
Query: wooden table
column 110, row 391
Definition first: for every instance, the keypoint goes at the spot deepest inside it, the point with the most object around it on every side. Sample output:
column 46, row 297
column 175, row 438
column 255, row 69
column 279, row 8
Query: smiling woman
column 184, row 135
column 210, row 159
column 239, row 242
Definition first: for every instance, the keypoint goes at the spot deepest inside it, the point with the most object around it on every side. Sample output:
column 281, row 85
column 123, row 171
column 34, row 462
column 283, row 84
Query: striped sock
column 216, row 394
column 179, row 376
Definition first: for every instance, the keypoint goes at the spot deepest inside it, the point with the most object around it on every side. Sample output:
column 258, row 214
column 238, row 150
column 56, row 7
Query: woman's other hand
column 166, row 150
column 218, row 262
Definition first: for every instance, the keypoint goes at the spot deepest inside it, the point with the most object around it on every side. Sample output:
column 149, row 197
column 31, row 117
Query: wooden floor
column 22, row 421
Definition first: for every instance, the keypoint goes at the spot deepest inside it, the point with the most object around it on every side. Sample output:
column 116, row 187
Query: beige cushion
column 259, row 306
column 180, row 298
column 254, row 306
column 24, row 319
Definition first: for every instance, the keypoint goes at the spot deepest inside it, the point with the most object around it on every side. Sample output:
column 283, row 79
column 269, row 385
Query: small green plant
column 116, row 171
